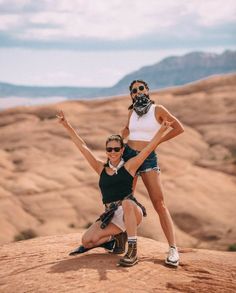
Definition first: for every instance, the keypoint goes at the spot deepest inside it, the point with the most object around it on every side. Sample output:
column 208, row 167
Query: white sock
column 132, row 239
column 173, row 246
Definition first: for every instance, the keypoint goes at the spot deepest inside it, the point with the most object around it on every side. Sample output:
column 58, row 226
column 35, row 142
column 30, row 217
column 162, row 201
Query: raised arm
column 133, row 164
column 96, row 164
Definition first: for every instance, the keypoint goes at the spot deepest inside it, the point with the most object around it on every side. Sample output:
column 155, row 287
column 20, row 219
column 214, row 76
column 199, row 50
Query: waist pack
column 107, row 216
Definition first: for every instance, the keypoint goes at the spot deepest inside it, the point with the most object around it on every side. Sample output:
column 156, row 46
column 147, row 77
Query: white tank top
column 145, row 127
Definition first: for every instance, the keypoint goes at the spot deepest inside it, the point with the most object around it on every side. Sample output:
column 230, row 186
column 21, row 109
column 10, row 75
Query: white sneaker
column 173, row 257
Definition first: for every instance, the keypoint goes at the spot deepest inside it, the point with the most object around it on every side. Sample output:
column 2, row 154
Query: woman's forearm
column 173, row 133
column 96, row 164
column 75, row 137
column 139, row 159
column 153, row 143
column 156, row 139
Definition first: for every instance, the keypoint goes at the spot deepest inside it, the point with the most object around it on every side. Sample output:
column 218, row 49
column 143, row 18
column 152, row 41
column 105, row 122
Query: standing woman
column 116, row 183
column 144, row 119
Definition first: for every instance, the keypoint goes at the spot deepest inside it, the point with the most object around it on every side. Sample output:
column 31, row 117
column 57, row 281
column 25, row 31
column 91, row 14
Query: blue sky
column 97, row 42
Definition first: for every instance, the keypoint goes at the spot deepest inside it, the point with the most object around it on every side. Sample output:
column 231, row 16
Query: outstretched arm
column 176, row 127
column 133, row 164
column 96, row 164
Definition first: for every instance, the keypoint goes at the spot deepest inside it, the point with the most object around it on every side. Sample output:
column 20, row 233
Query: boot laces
column 131, row 250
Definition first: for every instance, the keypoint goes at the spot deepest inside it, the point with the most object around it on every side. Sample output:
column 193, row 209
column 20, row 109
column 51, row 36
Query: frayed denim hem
column 157, row 169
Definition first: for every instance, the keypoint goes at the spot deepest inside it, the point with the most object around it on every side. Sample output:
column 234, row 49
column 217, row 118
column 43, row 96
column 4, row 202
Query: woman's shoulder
column 159, row 112
column 130, row 112
column 159, row 106
column 102, row 167
column 159, row 109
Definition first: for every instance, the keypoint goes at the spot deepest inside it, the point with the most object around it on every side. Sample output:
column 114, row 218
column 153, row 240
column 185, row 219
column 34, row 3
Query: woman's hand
column 62, row 119
column 165, row 125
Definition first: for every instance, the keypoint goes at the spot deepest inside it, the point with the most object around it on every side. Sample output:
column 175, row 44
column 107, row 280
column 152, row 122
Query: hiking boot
column 130, row 258
column 172, row 257
column 120, row 242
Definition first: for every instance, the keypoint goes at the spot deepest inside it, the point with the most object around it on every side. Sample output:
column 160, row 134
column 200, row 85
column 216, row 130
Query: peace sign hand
column 165, row 125
column 62, row 119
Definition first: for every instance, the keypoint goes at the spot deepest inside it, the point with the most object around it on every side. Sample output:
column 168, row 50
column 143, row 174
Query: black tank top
column 117, row 186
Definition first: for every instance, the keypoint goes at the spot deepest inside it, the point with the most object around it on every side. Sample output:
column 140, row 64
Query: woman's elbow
column 181, row 129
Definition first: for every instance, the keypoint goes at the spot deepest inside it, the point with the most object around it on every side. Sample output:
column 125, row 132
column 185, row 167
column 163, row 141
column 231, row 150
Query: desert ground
column 43, row 265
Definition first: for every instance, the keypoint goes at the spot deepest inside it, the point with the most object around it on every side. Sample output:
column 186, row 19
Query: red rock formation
column 43, row 265
column 46, row 185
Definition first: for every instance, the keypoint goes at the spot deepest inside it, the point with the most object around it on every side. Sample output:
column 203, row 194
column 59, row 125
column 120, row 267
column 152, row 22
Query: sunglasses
column 116, row 149
column 135, row 90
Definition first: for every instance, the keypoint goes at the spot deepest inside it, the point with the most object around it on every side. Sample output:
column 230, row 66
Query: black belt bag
column 107, row 216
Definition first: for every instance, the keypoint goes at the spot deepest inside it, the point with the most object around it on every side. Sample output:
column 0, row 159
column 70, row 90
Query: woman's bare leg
column 132, row 216
column 135, row 182
column 95, row 236
column 152, row 182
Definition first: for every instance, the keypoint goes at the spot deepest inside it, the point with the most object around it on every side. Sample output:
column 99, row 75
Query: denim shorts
column 150, row 163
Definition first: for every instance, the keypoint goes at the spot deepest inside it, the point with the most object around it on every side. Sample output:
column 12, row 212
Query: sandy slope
column 43, row 265
column 46, row 185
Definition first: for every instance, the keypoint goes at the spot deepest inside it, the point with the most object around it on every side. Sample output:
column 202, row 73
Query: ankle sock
column 132, row 239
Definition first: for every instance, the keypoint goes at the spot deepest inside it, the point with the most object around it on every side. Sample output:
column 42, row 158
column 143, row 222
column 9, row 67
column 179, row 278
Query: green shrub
column 86, row 226
column 232, row 247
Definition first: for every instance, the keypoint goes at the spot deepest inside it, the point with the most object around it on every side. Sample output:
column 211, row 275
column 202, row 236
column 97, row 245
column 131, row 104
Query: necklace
column 115, row 169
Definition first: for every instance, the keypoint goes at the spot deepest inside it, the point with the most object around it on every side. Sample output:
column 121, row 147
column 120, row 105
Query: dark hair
column 114, row 137
column 140, row 81
column 131, row 86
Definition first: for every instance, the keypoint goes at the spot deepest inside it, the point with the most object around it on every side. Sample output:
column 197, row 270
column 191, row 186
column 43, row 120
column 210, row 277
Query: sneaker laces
column 172, row 252
column 132, row 250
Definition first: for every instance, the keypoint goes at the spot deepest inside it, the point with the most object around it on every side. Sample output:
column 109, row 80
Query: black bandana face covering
column 141, row 104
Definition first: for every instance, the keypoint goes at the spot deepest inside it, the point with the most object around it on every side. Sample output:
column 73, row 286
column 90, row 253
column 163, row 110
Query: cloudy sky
column 97, row 42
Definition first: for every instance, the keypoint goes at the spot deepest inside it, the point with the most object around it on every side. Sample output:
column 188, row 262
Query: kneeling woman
column 116, row 181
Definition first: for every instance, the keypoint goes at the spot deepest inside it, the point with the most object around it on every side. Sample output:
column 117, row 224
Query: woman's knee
column 86, row 237
column 85, row 240
column 139, row 215
column 90, row 240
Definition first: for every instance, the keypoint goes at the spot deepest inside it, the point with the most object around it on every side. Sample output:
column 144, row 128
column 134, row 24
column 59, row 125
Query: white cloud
column 10, row 21
column 109, row 20
column 210, row 13
column 14, row 3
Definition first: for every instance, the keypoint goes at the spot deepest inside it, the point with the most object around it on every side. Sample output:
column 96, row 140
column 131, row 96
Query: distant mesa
column 171, row 71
